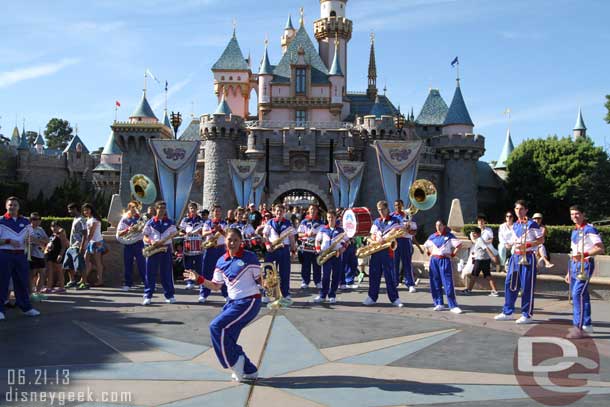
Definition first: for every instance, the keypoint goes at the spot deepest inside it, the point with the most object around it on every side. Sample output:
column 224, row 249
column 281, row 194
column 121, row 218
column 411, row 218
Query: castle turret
column 143, row 112
column 15, row 138
column 288, row 36
column 432, row 116
column 580, row 130
column 23, row 142
column 232, row 76
column 337, row 81
column 106, row 175
column 39, row 144
column 500, row 167
column 166, row 121
column 458, row 119
column 265, row 76
column 332, row 25
column 371, row 91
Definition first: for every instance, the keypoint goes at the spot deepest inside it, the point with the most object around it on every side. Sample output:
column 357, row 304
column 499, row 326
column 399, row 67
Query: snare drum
column 357, row 222
column 193, row 245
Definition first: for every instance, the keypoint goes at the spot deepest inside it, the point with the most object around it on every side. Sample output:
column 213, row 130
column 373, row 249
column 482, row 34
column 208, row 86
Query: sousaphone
column 143, row 189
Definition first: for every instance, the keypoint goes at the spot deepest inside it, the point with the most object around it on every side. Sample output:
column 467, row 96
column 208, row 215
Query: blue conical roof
column 506, row 151
column 580, row 123
column 289, row 23
column 223, row 107
column 39, row 140
column 266, row 68
column 232, row 59
column 23, row 143
column 458, row 113
column 71, row 147
column 335, row 68
column 15, row 139
column 111, row 147
column 377, row 110
column 434, row 111
column 283, row 70
column 144, row 109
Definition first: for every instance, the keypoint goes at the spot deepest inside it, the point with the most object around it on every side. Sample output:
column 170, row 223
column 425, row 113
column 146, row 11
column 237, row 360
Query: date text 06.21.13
column 38, row 377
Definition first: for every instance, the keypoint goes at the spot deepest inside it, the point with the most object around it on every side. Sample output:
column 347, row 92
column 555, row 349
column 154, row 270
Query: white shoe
column 303, row 286
column 171, row 300
column 146, row 301
column 494, row 294
column 2, row 316
column 343, row 287
column 524, row 320
column 368, row 301
column 319, row 285
column 201, row 299
column 189, row 286
column 250, row 376
column 586, row 328
column 32, row 312
column 353, row 286
column 125, row 288
column 503, row 317
column 288, row 298
column 265, row 300
column 332, row 300
column 412, row 289
column 575, row 333
column 439, row 307
column 456, row 310
column 398, row 303
column 238, row 368
column 318, row 299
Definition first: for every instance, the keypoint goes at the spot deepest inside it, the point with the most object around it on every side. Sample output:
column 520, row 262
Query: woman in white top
column 95, row 247
column 541, row 252
column 505, row 236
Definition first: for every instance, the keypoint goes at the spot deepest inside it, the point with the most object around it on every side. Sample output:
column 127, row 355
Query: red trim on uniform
column 239, row 254
column 156, row 218
column 277, row 219
column 7, row 216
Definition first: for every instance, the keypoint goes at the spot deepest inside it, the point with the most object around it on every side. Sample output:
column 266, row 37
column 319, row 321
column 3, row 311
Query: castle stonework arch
column 286, row 187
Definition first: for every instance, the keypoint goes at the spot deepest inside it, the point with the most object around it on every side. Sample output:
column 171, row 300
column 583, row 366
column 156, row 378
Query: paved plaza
column 104, row 344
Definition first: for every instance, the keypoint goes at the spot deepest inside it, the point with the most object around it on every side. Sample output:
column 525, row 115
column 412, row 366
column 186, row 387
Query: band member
column 156, row 233
column 331, row 270
column 585, row 243
column 214, row 229
column 95, row 247
column 382, row 262
column 441, row 246
column 132, row 252
column 74, row 260
column 308, row 230
column 404, row 251
column 14, row 230
column 281, row 256
column 192, row 225
column 521, row 266
column 239, row 270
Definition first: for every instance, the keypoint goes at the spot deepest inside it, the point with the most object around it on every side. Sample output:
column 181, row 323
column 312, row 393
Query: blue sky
column 541, row 58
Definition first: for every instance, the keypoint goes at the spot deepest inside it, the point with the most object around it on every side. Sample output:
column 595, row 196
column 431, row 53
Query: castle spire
column 506, row 151
column 580, row 130
column 265, row 65
column 289, row 25
column 372, row 89
column 335, row 68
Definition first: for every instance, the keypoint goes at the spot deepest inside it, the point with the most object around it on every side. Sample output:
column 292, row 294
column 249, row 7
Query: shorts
column 482, row 266
column 52, row 258
column 37, row 263
column 73, row 260
column 96, row 247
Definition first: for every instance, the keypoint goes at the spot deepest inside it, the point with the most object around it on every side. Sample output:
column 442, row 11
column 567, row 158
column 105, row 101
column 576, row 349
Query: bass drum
column 357, row 222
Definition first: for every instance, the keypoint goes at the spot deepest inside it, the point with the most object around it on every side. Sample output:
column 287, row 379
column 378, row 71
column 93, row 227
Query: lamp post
column 176, row 120
column 399, row 121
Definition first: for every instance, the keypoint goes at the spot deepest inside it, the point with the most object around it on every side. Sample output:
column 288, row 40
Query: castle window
column 333, row 13
column 301, row 117
column 222, row 78
column 239, row 78
column 230, row 78
column 437, row 128
column 300, row 81
column 425, row 128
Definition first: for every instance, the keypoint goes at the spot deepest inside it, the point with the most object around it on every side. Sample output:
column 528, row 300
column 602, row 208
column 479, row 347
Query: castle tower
column 289, row 33
column 507, row 149
column 15, row 138
column 221, row 135
column 143, row 112
column 333, row 24
column 371, row 91
column 106, row 175
column 337, row 81
column 232, row 76
column 265, row 76
column 39, row 144
column 580, row 130
column 458, row 119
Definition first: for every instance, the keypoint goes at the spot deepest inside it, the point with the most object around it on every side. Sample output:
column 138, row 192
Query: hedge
column 65, row 222
column 557, row 238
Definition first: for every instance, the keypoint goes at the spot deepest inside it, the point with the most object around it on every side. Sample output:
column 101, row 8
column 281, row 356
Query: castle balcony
column 269, row 124
column 328, row 27
column 299, row 101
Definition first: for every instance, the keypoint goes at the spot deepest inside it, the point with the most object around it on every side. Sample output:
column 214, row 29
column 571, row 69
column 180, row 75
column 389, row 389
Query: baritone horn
column 143, row 189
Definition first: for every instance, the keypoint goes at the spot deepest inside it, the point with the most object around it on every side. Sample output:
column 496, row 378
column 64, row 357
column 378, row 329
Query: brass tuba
column 422, row 195
column 143, row 189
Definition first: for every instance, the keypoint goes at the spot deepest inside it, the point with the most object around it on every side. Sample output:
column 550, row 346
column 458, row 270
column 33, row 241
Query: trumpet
column 390, row 243
column 279, row 242
column 213, row 242
column 582, row 274
column 159, row 248
column 330, row 252
column 523, row 261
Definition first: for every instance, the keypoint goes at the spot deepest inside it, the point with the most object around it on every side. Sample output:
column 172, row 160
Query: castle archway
column 300, row 193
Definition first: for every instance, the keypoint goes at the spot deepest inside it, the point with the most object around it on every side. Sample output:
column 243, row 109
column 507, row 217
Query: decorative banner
column 398, row 167
column 176, row 161
column 350, row 178
column 258, row 186
column 241, row 175
column 335, row 188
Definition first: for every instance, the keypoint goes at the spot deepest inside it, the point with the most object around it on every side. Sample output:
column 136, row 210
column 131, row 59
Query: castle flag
column 455, row 61
column 153, row 77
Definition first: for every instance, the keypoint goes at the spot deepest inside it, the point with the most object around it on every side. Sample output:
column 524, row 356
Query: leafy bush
column 557, row 239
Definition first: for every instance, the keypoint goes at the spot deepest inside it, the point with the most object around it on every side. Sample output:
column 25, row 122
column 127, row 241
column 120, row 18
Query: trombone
column 582, row 274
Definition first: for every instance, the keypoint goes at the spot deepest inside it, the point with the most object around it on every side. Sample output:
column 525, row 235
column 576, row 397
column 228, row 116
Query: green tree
column 608, row 108
column 74, row 190
column 58, row 133
column 553, row 174
column 31, row 136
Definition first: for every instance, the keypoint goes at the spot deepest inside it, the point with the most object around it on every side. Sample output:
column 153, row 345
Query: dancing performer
column 14, row 231
column 130, row 226
column 239, row 270
column 585, row 243
column 521, row 274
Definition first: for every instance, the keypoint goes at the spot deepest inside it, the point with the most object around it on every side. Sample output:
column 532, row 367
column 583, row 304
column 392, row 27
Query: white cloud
column 33, row 72
column 159, row 100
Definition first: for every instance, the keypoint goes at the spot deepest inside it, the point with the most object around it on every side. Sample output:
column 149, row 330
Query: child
column 482, row 256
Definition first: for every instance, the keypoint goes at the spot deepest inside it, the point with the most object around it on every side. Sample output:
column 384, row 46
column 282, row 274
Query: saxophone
column 330, row 252
column 279, row 242
column 390, row 243
column 160, row 248
column 213, row 242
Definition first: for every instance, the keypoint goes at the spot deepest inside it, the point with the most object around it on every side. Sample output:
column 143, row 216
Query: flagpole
column 116, row 112
column 458, row 71
column 145, row 82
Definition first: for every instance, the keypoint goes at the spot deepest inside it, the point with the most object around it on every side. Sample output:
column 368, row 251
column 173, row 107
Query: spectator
column 541, row 252
column 54, row 256
column 38, row 239
column 482, row 255
column 95, row 247
column 255, row 218
column 504, row 236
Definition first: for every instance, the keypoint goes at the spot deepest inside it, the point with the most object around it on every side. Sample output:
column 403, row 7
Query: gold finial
column 302, row 20
column 372, row 38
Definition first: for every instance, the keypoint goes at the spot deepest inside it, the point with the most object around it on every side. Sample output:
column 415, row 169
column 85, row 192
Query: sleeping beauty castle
column 311, row 139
